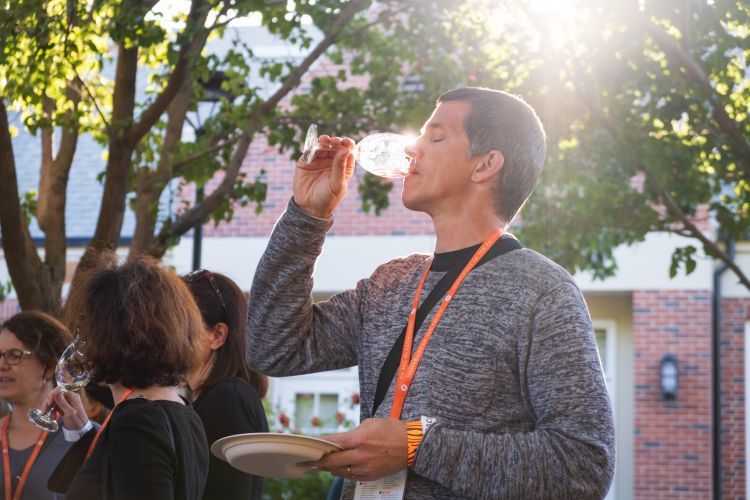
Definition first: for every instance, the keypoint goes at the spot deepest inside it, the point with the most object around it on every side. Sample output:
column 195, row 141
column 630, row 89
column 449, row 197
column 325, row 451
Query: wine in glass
column 72, row 373
column 381, row 154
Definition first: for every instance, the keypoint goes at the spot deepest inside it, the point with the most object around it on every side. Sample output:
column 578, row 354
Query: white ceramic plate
column 271, row 454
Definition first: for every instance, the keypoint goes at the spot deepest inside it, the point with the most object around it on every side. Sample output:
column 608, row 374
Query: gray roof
column 84, row 190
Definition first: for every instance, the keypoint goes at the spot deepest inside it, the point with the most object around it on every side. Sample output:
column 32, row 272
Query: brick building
column 665, row 447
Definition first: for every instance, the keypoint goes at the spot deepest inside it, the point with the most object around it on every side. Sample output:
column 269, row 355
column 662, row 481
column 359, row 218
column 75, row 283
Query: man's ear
column 218, row 335
column 488, row 167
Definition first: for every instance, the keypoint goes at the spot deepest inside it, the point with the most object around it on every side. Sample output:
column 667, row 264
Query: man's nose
column 411, row 150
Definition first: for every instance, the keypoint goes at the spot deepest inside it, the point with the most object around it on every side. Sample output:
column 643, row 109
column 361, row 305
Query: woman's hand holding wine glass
column 72, row 373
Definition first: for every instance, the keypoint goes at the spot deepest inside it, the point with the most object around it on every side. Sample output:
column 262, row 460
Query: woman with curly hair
column 140, row 324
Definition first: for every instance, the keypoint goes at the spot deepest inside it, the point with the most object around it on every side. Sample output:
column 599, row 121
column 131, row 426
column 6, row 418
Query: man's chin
column 411, row 199
column 412, row 204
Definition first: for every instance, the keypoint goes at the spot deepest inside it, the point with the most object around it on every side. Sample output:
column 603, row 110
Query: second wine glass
column 382, row 154
column 73, row 372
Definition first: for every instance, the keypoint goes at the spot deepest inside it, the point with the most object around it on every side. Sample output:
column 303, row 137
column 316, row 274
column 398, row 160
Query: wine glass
column 380, row 154
column 72, row 373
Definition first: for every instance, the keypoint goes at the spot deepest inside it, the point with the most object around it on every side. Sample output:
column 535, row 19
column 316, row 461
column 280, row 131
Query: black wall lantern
column 669, row 376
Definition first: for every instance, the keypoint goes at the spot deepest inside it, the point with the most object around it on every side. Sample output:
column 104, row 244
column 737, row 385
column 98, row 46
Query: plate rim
column 218, row 447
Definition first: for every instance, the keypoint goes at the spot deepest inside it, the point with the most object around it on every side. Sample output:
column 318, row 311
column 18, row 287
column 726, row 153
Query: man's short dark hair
column 504, row 122
column 139, row 320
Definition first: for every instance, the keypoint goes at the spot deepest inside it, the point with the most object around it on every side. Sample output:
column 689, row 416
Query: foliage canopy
column 645, row 104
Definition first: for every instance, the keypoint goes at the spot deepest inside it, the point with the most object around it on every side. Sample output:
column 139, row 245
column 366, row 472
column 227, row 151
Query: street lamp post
column 212, row 92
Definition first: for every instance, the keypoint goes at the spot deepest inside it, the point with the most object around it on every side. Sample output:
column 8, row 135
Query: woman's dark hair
column 139, row 320
column 220, row 300
column 41, row 333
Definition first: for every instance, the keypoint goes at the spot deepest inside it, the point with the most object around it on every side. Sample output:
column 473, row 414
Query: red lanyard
column 408, row 366
column 124, row 396
column 9, row 494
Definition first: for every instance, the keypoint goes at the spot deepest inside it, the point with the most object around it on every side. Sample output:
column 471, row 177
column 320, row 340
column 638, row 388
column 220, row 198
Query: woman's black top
column 230, row 407
column 149, row 450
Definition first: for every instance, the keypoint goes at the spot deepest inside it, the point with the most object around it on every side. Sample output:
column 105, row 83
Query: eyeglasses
column 202, row 273
column 14, row 356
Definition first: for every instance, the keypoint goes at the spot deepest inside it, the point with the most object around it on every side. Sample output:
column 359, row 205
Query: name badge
column 387, row 488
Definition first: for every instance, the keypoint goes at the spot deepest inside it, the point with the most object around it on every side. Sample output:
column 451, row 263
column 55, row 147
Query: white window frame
column 610, row 327
column 307, row 427
column 747, row 403
column 341, row 382
column 610, row 375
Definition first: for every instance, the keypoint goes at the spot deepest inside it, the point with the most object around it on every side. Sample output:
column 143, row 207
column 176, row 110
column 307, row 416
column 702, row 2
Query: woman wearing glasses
column 226, row 391
column 30, row 343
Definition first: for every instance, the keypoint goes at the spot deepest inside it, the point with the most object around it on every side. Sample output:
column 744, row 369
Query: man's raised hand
column 321, row 185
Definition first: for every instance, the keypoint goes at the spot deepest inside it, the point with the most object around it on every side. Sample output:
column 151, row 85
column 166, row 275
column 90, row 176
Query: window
column 605, row 343
column 747, row 401
column 606, row 340
column 315, row 413
column 601, row 345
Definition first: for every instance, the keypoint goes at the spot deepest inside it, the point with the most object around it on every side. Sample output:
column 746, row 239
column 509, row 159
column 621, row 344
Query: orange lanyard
column 124, row 396
column 27, row 468
column 408, row 366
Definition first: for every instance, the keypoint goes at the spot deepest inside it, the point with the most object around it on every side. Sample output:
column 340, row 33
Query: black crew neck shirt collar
column 445, row 261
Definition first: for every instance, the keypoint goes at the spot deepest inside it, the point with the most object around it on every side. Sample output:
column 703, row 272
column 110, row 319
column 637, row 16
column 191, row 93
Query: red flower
column 315, row 421
column 283, row 419
column 340, row 417
column 355, row 398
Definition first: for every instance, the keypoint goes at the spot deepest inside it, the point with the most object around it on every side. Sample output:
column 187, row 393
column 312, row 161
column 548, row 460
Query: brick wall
column 8, row 308
column 735, row 313
column 672, row 438
column 349, row 217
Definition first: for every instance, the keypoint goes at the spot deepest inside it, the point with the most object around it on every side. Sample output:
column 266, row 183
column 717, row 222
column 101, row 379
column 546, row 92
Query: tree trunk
column 150, row 184
column 53, row 184
column 24, row 265
column 125, row 132
column 112, row 208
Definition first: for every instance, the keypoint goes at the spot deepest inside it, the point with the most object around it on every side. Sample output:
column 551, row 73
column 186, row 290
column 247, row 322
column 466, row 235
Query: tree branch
column 679, row 232
column 694, row 75
column 90, row 94
column 112, row 207
column 69, row 136
column 177, row 167
column 150, row 184
column 710, row 247
column 23, row 262
column 193, row 38
column 200, row 212
column 48, row 108
column 53, row 185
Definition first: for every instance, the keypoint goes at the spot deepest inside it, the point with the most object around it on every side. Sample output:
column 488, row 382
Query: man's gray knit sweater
column 511, row 374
